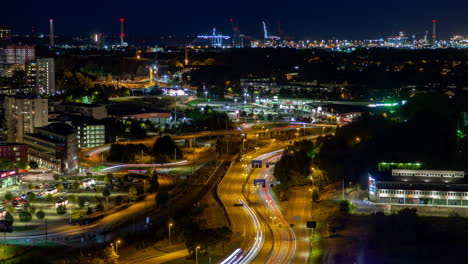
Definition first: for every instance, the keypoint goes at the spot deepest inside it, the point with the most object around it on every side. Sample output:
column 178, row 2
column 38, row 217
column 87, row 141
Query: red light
column 122, row 35
column 434, row 21
column 122, row 20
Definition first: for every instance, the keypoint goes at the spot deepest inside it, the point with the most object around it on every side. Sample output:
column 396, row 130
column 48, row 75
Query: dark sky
column 350, row 19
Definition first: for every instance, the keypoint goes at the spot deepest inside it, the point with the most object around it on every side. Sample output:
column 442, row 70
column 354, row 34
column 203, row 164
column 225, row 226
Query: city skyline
column 363, row 20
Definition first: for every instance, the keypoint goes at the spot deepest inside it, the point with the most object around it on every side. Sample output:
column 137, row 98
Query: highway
column 245, row 222
column 285, row 246
column 262, row 218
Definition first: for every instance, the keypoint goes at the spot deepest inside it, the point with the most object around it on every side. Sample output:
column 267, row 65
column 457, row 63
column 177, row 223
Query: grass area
column 215, row 258
column 196, row 101
column 10, row 251
column 25, row 227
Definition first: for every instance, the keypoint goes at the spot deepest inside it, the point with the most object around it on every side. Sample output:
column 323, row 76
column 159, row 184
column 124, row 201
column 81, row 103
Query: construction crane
column 265, row 33
column 216, row 40
column 236, row 36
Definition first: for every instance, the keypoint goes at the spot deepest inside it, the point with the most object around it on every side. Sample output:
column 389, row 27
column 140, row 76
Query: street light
column 196, row 254
column 206, row 96
column 170, row 226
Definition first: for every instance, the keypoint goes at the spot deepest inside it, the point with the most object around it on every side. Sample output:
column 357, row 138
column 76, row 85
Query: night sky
column 343, row 19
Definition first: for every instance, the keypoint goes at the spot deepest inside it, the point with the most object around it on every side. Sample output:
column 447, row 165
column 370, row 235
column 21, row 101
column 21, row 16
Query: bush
column 118, row 200
column 31, row 196
column 40, row 214
column 89, row 211
column 99, row 207
column 49, row 197
column 315, row 195
column 61, row 210
column 8, row 196
column 25, row 216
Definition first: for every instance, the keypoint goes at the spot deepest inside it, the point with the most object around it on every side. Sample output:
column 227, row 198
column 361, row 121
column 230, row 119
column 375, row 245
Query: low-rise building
column 419, row 187
column 54, row 147
column 157, row 118
column 92, row 110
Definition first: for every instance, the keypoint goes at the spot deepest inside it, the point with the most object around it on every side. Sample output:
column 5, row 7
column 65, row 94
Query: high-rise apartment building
column 5, row 32
column 19, row 54
column 22, row 115
column 40, row 75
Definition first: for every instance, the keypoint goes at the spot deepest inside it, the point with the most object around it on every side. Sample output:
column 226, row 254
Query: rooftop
column 59, row 128
column 82, row 105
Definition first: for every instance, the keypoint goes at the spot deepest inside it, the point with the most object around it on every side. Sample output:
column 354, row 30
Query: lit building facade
column 54, row 147
column 13, row 152
column 19, row 54
column 90, row 132
column 22, row 115
column 5, row 32
column 419, row 187
column 45, row 76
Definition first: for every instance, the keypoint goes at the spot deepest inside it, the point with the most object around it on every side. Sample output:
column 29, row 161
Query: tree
column 108, row 78
column 89, row 211
column 99, row 207
column 40, row 214
column 8, row 196
column 315, row 195
column 110, row 255
column 23, row 164
column 49, row 197
column 154, row 181
column 5, row 164
column 345, row 207
column 77, row 214
column 162, row 197
column 73, row 198
column 106, row 193
column 25, row 216
column 136, row 130
column 108, row 177
column 75, row 186
column 61, row 210
column 118, row 200
column 59, row 186
column 132, row 194
column 165, row 146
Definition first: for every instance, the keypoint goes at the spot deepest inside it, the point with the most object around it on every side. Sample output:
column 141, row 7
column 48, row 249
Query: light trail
column 144, row 165
column 285, row 245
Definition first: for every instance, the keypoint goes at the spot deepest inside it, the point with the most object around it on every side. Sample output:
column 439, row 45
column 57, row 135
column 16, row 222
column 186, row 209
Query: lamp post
column 196, row 254
column 206, row 96
column 170, row 226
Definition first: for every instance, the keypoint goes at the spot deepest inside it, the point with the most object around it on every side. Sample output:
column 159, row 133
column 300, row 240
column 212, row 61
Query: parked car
column 61, row 202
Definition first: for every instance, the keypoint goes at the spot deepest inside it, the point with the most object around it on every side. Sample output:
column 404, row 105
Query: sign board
column 257, row 163
column 311, row 224
column 259, row 181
